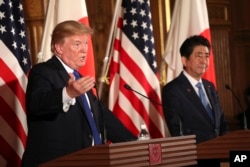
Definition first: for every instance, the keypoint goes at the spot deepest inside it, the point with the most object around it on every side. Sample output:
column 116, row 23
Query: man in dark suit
column 184, row 111
column 56, row 116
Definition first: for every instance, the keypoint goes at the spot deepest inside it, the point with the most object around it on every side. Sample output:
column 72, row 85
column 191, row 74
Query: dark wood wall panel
column 240, row 65
column 34, row 31
column 219, row 12
column 100, row 15
column 34, row 14
column 240, row 51
column 222, row 20
column 220, row 41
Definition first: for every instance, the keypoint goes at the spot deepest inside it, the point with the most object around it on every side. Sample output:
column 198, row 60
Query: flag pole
column 106, row 59
column 49, row 14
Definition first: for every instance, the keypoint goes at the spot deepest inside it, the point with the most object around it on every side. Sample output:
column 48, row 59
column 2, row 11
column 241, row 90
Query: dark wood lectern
column 219, row 148
column 172, row 151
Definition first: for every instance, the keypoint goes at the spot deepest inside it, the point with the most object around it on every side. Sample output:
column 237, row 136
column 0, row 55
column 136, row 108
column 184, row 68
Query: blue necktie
column 204, row 101
column 90, row 118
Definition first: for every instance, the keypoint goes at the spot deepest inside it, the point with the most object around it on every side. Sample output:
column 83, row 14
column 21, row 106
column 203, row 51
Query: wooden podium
column 219, row 148
column 172, row 151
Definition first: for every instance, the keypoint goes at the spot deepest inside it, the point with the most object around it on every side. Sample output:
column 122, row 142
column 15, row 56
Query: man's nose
column 84, row 48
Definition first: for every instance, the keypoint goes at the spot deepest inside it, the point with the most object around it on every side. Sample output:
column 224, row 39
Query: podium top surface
column 221, row 146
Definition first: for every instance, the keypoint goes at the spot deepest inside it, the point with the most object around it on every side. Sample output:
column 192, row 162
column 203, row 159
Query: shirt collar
column 66, row 67
column 191, row 79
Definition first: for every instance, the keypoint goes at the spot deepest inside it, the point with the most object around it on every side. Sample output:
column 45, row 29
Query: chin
column 84, row 62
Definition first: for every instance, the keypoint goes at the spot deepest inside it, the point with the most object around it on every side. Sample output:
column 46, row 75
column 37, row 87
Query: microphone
column 241, row 107
column 129, row 88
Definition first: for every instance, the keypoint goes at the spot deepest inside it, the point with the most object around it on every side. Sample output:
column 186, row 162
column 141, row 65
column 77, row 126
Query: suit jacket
column 185, row 114
column 51, row 131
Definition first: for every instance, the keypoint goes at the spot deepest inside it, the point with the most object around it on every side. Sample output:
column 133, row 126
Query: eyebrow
column 199, row 52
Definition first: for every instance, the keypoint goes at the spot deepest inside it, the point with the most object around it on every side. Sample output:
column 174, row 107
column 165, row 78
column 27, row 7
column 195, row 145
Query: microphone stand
column 129, row 88
column 126, row 86
column 241, row 107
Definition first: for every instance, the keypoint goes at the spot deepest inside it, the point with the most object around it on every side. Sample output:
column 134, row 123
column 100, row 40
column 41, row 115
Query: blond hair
column 66, row 29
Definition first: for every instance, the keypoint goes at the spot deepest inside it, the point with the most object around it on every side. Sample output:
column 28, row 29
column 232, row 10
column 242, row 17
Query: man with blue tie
column 63, row 114
column 191, row 104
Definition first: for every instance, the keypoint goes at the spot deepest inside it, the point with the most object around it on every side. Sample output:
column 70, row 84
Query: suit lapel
column 62, row 73
column 192, row 96
column 209, row 90
column 190, row 92
column 64, row 76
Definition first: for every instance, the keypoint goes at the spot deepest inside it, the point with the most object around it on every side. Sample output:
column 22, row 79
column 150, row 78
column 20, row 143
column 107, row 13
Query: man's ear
column 58, row 49
column 184, row 61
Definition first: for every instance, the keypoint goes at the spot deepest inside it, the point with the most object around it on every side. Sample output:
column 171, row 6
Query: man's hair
column 66, row 29
column 188, row 45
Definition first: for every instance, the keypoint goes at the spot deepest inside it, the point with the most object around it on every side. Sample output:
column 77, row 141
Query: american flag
column 14, row 66
column 134, row 63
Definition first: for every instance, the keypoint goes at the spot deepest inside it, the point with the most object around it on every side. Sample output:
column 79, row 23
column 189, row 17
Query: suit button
column 90, row 136
column 216, row 131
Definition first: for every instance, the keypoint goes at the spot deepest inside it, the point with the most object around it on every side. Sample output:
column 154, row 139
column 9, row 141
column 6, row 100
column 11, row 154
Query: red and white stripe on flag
column 15, row 64
column 13, row 129
column 133, row 63
column 57, row 12
column 189, row 18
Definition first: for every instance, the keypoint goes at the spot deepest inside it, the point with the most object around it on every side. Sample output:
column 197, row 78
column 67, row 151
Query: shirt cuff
column 67, row 101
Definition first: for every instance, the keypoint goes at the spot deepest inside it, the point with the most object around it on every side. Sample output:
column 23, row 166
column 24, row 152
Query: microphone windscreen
column 227, row 86
column 127, row 86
